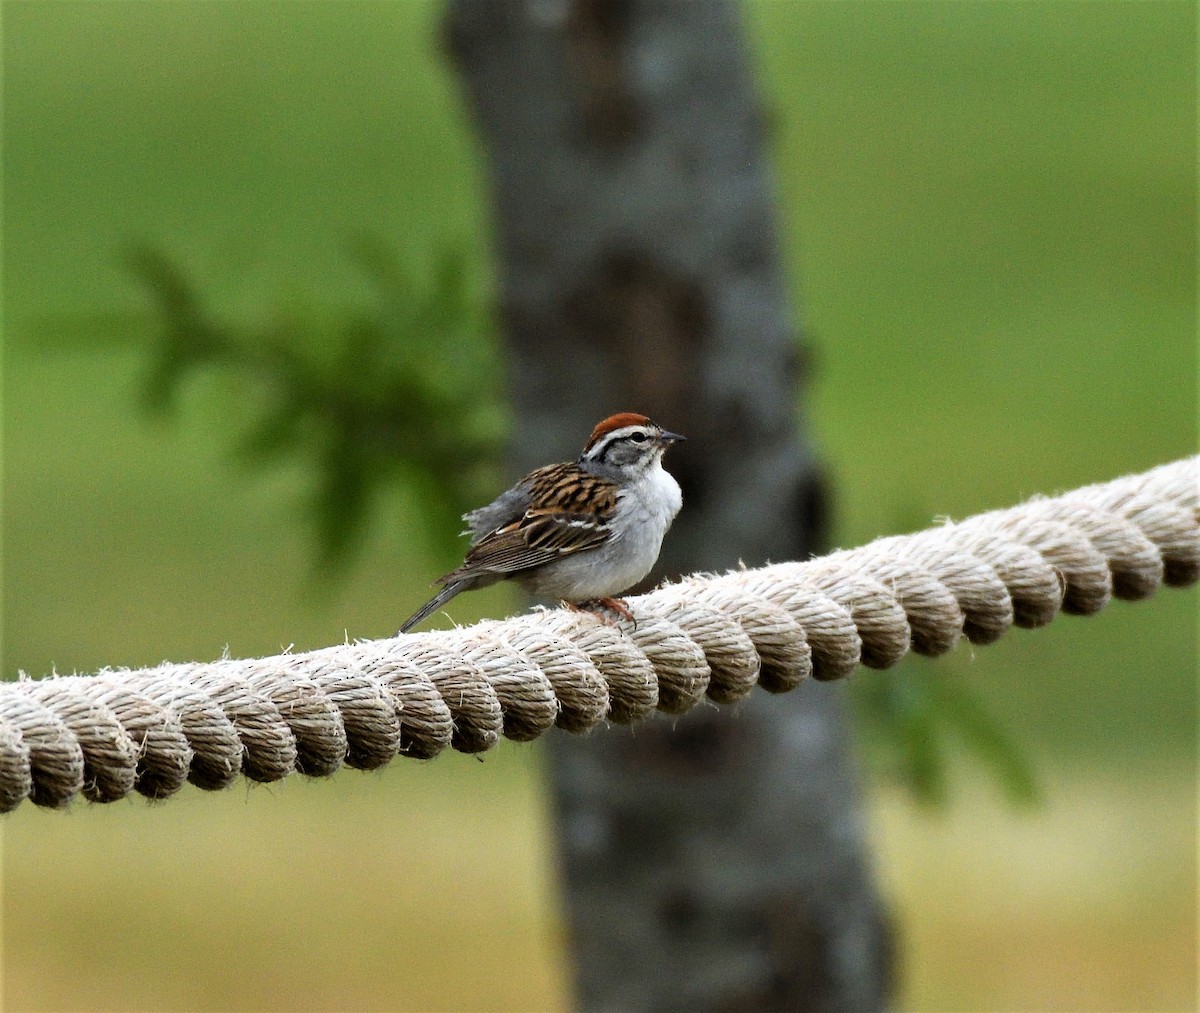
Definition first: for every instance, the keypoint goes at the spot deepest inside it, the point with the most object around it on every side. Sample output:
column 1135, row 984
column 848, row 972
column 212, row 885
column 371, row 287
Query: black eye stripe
column 638, row 437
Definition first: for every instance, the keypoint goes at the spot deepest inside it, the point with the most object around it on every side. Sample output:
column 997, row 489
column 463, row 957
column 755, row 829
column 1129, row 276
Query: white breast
column 646, row 508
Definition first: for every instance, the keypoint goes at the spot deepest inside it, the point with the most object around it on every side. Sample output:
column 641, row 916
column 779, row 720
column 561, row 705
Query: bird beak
column 671, row 437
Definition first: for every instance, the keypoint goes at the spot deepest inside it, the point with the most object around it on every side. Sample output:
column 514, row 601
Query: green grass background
column 989, row 221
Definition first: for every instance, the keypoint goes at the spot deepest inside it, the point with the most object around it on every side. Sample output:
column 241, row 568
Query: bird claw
column 603, row 609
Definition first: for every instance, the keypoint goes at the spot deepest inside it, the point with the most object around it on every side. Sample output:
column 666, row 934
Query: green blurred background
column 990, row 224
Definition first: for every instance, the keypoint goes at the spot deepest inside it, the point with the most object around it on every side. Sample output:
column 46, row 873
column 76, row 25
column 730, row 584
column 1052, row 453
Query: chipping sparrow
column 581, row 531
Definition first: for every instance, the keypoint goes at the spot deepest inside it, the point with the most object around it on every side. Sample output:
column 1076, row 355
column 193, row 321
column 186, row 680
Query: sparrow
column 582, row 531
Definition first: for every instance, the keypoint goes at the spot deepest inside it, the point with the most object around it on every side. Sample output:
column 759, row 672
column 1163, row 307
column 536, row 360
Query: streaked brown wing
column 560, row 520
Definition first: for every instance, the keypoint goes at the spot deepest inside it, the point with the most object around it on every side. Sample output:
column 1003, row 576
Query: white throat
column 650, row 500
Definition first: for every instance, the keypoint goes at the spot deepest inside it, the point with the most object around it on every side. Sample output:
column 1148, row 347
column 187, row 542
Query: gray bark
column 715, row 861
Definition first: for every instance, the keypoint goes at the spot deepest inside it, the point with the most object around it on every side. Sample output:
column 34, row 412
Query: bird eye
column 638, row 437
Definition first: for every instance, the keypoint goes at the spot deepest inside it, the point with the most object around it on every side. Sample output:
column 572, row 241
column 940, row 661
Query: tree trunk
column 715, row 861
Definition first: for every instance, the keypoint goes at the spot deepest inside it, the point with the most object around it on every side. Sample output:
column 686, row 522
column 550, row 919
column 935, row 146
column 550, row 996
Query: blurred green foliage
column 913, row 719
column 404, row 389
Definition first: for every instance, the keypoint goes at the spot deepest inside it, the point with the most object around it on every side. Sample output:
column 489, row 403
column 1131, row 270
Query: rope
column 713, row 635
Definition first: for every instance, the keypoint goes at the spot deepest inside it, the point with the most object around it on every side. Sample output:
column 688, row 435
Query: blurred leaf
column 274, row 434
column 986, row 739
column 186, row 338
column 908, row 717
column 403, row 389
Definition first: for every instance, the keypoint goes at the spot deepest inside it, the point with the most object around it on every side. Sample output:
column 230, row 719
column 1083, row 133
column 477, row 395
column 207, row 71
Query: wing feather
column 568, row 511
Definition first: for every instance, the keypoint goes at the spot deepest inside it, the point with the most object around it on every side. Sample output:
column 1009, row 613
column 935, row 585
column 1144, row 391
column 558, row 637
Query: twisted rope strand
column 715, row 635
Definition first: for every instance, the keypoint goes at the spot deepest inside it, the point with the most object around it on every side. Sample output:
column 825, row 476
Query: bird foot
column 604, row 609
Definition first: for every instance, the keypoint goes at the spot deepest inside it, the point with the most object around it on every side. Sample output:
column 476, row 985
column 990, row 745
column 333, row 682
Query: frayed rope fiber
column 716, row 635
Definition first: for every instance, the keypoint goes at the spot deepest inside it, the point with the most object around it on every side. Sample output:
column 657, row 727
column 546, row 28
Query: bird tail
column 435, row 603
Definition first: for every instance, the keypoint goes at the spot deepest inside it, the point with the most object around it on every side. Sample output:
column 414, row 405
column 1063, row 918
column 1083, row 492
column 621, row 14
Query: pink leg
column 603, row 609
